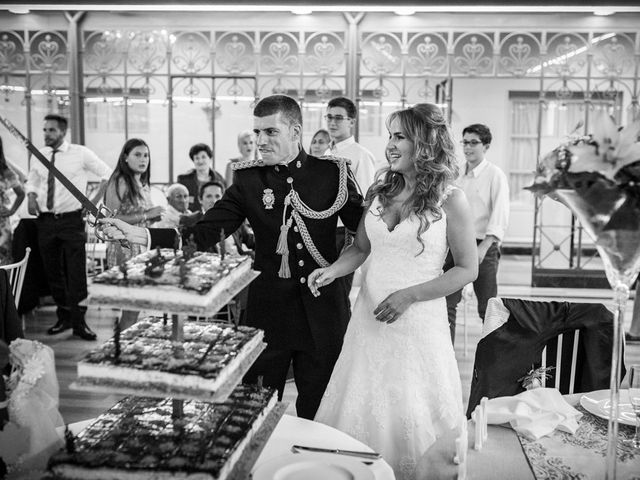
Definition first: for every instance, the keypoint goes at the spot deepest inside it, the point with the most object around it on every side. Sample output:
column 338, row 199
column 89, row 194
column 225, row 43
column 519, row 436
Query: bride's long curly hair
column 434, row 161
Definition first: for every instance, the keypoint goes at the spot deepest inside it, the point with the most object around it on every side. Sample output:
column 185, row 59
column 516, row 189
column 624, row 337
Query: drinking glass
column 611, row 217
column 634, row 398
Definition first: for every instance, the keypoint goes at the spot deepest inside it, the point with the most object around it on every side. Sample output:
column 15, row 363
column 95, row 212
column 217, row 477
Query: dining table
column 509, row 455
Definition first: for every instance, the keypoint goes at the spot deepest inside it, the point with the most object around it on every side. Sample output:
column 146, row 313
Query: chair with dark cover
column 35, row 282
column 10, row 325
column 16, row 272
column 509, row 352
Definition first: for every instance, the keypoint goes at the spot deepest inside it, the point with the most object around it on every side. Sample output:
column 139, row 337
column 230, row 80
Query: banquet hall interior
column 179, row 73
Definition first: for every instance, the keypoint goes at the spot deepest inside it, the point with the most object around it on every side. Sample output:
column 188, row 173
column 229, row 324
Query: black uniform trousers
column 311, row 369
column 61, row 238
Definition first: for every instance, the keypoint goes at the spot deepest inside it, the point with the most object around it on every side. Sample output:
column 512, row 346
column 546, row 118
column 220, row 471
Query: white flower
column 610, row 149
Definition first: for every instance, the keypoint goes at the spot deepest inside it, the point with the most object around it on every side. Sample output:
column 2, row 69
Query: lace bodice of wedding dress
column 396, row 387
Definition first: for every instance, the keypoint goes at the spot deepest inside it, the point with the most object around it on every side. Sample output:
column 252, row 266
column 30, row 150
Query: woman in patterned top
column 8, row 180
column 128, row 196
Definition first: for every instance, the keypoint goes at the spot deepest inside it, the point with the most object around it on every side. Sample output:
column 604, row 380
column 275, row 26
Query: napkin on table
column 534, row 413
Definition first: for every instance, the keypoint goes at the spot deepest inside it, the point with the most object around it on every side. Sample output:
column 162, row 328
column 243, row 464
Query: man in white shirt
column 487, row 189
column 61, row 235
column 341, row 118
column 178, row 203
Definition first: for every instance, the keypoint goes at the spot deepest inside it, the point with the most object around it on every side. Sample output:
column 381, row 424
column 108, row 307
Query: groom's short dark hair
column 283, row 104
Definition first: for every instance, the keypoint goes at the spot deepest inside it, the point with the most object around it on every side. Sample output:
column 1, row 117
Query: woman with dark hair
column 9, row 180
column 202, row 157
column 396, row 385
column 128, row 195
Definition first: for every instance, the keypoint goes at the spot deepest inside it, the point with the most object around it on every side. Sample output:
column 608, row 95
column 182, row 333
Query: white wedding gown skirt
column 396, row 387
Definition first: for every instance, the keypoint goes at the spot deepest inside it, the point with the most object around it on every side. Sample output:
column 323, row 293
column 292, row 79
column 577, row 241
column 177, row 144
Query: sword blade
column 73, row 190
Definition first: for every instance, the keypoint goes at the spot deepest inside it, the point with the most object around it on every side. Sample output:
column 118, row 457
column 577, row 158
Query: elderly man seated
column 178, row 198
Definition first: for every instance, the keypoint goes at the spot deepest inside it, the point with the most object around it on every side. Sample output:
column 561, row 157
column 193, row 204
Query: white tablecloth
column 298, row 431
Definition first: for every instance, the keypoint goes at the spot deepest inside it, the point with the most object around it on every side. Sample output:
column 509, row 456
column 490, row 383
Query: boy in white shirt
column 487, row 189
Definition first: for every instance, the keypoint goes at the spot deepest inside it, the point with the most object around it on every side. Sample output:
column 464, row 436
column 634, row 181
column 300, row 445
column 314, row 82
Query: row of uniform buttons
column 299, row 246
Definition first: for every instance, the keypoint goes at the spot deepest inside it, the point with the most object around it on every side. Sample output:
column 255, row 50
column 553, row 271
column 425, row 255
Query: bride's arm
column 461, row 238
column 350, row 259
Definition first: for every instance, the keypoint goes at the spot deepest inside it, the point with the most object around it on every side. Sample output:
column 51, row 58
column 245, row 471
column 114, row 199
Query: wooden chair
column 16, row 272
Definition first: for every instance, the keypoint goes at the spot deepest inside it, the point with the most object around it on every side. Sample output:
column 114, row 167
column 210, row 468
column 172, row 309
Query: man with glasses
column 341, row 119
column 487, row 190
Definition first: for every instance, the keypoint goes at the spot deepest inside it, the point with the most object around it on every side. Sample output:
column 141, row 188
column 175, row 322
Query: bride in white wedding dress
column 396, row 385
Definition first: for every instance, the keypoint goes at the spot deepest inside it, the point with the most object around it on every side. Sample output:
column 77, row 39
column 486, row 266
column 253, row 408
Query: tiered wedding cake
column 153, row 437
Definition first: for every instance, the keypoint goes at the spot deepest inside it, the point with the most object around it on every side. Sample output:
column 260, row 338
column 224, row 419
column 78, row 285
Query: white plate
column 598, row 403
column 312, row 466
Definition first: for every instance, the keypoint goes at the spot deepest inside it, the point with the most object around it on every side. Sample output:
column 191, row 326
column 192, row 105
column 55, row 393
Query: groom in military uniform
column 292, row 201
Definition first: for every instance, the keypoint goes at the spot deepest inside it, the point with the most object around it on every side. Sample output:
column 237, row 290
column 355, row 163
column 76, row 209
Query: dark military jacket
column 284, row 308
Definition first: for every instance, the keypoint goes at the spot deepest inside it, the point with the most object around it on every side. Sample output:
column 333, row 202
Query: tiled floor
column 78, row 405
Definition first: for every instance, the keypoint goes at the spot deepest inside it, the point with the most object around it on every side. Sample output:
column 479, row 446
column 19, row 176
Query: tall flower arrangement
column 597, row 177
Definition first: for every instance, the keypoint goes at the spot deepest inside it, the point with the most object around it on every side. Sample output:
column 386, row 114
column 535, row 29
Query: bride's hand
column 319, row 278
column 393, row 306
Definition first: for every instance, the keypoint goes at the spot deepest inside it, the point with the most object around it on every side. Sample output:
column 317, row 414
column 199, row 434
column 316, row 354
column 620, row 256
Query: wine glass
column 611, row 217
column 634, row 398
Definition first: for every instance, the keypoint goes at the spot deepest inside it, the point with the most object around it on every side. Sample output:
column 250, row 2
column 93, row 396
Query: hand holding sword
column 98, row 213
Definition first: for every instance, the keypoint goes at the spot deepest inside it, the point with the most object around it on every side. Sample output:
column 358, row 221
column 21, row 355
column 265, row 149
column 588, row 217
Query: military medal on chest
column 268, row 199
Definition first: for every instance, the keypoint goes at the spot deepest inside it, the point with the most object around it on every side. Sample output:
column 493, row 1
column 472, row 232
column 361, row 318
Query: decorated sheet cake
column 172, row 281
column 207, row 364
column 139, row 438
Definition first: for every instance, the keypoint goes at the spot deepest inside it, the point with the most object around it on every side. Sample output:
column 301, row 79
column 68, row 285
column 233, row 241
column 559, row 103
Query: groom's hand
column 115, row 229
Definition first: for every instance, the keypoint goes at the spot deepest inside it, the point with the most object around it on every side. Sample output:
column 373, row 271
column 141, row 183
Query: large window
column 560, row 118
column 109, row 116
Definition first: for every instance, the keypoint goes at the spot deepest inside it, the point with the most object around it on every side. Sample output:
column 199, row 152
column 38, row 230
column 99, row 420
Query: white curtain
column 522, row 161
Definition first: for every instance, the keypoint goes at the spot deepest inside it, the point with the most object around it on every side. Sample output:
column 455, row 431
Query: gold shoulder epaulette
column 243, row 164
column 335, row 159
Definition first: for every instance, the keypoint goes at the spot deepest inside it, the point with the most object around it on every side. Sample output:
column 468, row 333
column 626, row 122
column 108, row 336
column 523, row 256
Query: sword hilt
column 105, row 212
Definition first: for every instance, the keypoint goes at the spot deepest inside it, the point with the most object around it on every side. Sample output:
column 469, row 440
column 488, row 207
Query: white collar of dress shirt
column 477, row 170
column 347, row 141
column 64, row 146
